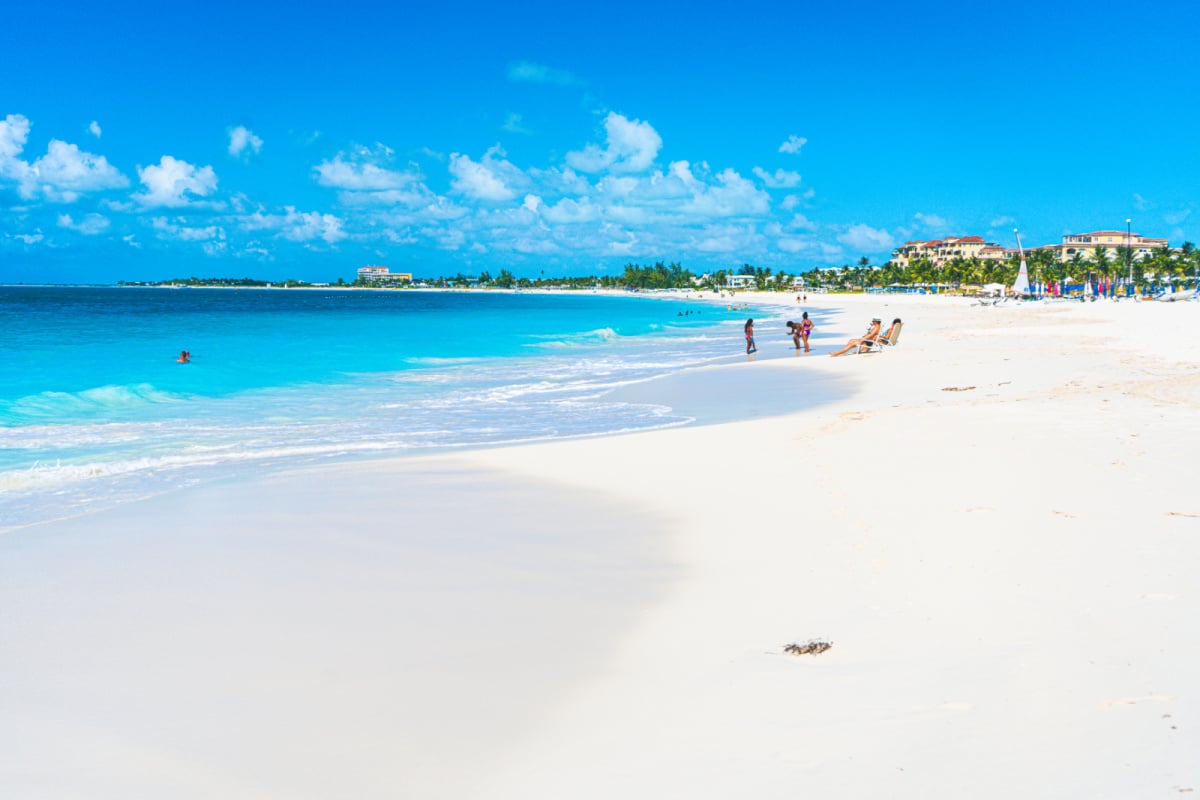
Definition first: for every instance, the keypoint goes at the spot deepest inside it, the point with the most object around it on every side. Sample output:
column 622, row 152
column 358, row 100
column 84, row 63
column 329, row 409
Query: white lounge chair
column 889, row 339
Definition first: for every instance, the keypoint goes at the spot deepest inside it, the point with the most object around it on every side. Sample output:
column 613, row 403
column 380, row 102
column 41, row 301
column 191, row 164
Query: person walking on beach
column 750, row 348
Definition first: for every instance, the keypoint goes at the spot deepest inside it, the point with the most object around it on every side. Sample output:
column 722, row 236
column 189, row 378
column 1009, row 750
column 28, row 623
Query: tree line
column 1043, row 266
column 1160, row 267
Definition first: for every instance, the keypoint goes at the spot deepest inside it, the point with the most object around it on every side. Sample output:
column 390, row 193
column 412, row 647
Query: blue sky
column 149, row 141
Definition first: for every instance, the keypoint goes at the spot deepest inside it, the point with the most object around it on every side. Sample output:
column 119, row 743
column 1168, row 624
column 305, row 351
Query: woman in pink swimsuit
column 800, row 331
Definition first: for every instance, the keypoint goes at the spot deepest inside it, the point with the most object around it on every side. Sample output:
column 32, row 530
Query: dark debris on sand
column 812, row 647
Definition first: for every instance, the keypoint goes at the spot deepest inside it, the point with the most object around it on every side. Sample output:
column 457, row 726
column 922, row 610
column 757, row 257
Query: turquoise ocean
column 95, row 410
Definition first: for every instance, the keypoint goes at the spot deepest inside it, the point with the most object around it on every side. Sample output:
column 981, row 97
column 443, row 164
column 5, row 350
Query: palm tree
column 954, row 270
column 920, row 271
column 1101, row 261
column 1161, row 265
column 1078, row 266
column 889, row 273
column 1191, row 258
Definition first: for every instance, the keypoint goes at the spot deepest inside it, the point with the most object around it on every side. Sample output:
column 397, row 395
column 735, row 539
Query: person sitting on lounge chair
column 857, row 344
column 893, row 333
column 884, row 339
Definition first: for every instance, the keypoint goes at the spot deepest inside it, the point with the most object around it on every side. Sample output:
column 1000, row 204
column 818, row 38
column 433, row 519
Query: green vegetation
column 224, row 282
column 1177, row 266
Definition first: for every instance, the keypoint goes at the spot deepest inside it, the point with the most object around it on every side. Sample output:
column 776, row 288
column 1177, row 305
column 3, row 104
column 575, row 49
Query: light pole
column 1128, row 258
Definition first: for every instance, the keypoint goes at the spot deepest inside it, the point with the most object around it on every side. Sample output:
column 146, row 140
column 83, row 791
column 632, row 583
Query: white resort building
column 382, row 275
column 1086, row 244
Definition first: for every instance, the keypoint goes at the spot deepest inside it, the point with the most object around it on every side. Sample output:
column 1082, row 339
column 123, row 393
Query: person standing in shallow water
column 750, row 348
column 800, row 331
column 806, row 327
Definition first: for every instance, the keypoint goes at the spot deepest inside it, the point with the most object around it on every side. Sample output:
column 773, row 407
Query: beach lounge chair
column 888, row 339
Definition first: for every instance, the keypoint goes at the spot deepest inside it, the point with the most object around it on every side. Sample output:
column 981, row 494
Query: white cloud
column 793, row 144
column 400, row 237
column 27, row 238
column 731, row 196
column 727, row 239
column 529, row 72
column 571, row 211
column 66, row 172
column 632, row 146
column 297, row 226
column 170, row 181
column 801, row 222
column 795, row 244
column 514, row 123
column 930, row 220
column 354, row 174
column 94, row 129
column 565, row 181
column 241, row 140
column 683, row 195
column 14, row 130
column 866, row 239
column 1140, row 203
column 89, row 225
column 491, row 178
column 179, row 229
column 1177, row 217
column 1002, row 220
column 781, row 179
column 62, row 175
column 614, row 186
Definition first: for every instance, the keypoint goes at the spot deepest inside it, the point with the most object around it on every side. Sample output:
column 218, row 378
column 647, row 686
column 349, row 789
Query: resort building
column 940, row 251
column 1086, row 244
column 382, row 275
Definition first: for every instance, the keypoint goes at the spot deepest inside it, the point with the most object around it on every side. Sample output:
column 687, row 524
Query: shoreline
column 127, row 478
column 994, row 529
column 1001, row 625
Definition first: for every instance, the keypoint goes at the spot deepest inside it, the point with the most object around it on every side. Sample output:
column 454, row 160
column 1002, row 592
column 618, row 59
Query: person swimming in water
column 184, row 357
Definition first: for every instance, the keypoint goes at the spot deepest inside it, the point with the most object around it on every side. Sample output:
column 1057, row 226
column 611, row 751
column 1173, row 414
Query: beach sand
column 994, row 524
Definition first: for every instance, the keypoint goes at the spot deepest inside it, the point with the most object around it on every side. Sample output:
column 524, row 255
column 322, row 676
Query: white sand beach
column 996, row 526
